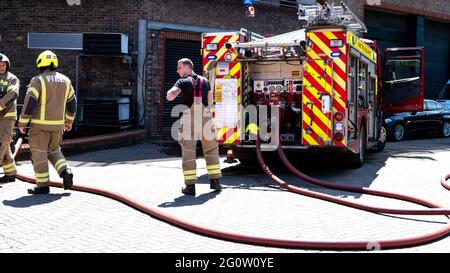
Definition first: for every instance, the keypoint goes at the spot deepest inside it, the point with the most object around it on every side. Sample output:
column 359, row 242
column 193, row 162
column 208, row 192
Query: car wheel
column 445, row 129
column 399, row 132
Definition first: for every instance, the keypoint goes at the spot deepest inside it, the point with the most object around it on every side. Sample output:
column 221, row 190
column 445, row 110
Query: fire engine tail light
column 339, row 116
column 338, row 136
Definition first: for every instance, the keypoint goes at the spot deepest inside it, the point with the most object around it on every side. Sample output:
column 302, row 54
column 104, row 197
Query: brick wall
column 20, row 17
column 109, row 76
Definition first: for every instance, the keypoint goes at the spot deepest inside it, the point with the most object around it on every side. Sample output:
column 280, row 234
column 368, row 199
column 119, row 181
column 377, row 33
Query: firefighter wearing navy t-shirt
column 196, row 125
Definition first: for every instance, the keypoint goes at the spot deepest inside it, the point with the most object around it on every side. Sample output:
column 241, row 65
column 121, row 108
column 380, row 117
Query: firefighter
column 9, row 90
column 50, row 104
column 197, row 95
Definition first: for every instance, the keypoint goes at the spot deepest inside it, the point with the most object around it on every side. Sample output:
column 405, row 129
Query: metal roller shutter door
column 175, row 50
column 389, row 30
column 437, row 57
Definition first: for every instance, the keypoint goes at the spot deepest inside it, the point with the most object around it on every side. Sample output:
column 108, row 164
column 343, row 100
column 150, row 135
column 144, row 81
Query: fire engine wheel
column 357, row 160
column 399, row 132
column 445, row 129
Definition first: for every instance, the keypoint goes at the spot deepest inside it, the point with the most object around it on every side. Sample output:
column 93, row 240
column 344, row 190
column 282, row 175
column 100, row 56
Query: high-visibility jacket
column 50, row 102
column 9, row 91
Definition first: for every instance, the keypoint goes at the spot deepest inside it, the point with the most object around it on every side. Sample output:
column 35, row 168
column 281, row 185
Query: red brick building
column 172, row 30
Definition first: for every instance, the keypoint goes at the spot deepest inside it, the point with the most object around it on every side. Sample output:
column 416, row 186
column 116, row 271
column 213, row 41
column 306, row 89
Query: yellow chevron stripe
column 331, row 36
column 315, row 127
column 216, row 40
column 336, row 77
column 316, row 76
column 318, row 113
column 233, row 138
column 235, row 69
column 337, row 96
column 221, row 132
column 222, row 51
column 309, row 139
column 326, row 50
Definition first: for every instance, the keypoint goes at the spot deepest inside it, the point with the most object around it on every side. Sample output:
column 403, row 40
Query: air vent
column 105, row 43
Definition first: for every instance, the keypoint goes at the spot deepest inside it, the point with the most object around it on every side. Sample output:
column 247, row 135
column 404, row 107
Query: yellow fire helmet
column 47, row 59
column 5, row 59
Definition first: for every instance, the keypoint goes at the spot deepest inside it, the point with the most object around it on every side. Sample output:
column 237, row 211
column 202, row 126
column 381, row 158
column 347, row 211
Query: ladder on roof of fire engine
column 330, row 14
column 315, row 15
column 255, row 36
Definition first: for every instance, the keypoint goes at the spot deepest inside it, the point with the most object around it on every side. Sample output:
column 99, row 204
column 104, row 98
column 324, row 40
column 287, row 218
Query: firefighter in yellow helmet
column 9, row 90
column 50, row 105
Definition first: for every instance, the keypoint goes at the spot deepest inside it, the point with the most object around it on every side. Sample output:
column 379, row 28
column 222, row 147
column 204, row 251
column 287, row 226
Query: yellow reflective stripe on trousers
column 190, row 177
column 24, row 120
column 212, row 167
column 190, row 172
column 42, row 177
column 59, row 164
column 215, row 172
column 7, row 166
column 43, row 98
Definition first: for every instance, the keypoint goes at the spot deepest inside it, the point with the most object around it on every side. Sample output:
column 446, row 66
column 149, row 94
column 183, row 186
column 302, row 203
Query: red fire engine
column 331, row 87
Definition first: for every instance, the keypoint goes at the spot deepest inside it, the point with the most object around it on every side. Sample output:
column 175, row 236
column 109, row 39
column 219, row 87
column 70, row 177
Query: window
column 402, row 69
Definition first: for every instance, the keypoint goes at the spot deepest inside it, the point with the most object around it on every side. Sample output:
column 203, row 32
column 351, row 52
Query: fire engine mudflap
column 293, row 96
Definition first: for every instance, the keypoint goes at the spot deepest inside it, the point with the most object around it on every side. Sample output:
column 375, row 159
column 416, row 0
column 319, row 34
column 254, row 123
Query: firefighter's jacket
column 50, row 102
column 9, row 90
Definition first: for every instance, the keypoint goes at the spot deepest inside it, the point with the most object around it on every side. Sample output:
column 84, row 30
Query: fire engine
column 331, row 88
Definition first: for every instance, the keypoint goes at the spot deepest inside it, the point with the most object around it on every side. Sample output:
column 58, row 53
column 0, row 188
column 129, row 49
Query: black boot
column 215, row 184
column 39, row 190
column 7, row 179
column 67, row 177
column 188, row 189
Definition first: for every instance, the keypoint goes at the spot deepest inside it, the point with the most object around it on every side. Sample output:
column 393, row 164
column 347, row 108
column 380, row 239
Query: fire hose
column 284, row 243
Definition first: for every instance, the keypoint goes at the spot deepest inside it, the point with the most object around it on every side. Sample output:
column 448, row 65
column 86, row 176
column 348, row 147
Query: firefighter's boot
column 39, row 190
column 67, row 177
column 188, row 189
column 7, row 179
column 215, row 184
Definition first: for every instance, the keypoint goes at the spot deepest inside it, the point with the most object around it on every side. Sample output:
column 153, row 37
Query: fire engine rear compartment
column 276, row 83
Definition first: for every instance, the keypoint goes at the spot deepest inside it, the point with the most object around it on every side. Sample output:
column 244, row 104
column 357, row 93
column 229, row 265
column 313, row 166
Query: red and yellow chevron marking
column 323, row 74
column 220, row 40
column 225, row 135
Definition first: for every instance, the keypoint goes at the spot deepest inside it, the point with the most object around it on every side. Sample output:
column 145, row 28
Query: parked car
column 444, row 95
column 434, row 118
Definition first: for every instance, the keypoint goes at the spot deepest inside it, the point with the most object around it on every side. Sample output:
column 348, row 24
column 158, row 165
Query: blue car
column 435, row 118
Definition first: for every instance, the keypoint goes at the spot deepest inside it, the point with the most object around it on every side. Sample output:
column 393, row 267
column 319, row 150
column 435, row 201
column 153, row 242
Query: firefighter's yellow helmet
column 5, row 59
column 47, row 59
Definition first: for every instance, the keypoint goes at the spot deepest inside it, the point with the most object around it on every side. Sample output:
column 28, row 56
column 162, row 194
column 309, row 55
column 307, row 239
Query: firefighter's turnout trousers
column 197, row 124
column 6, row 129
column 45, row 144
